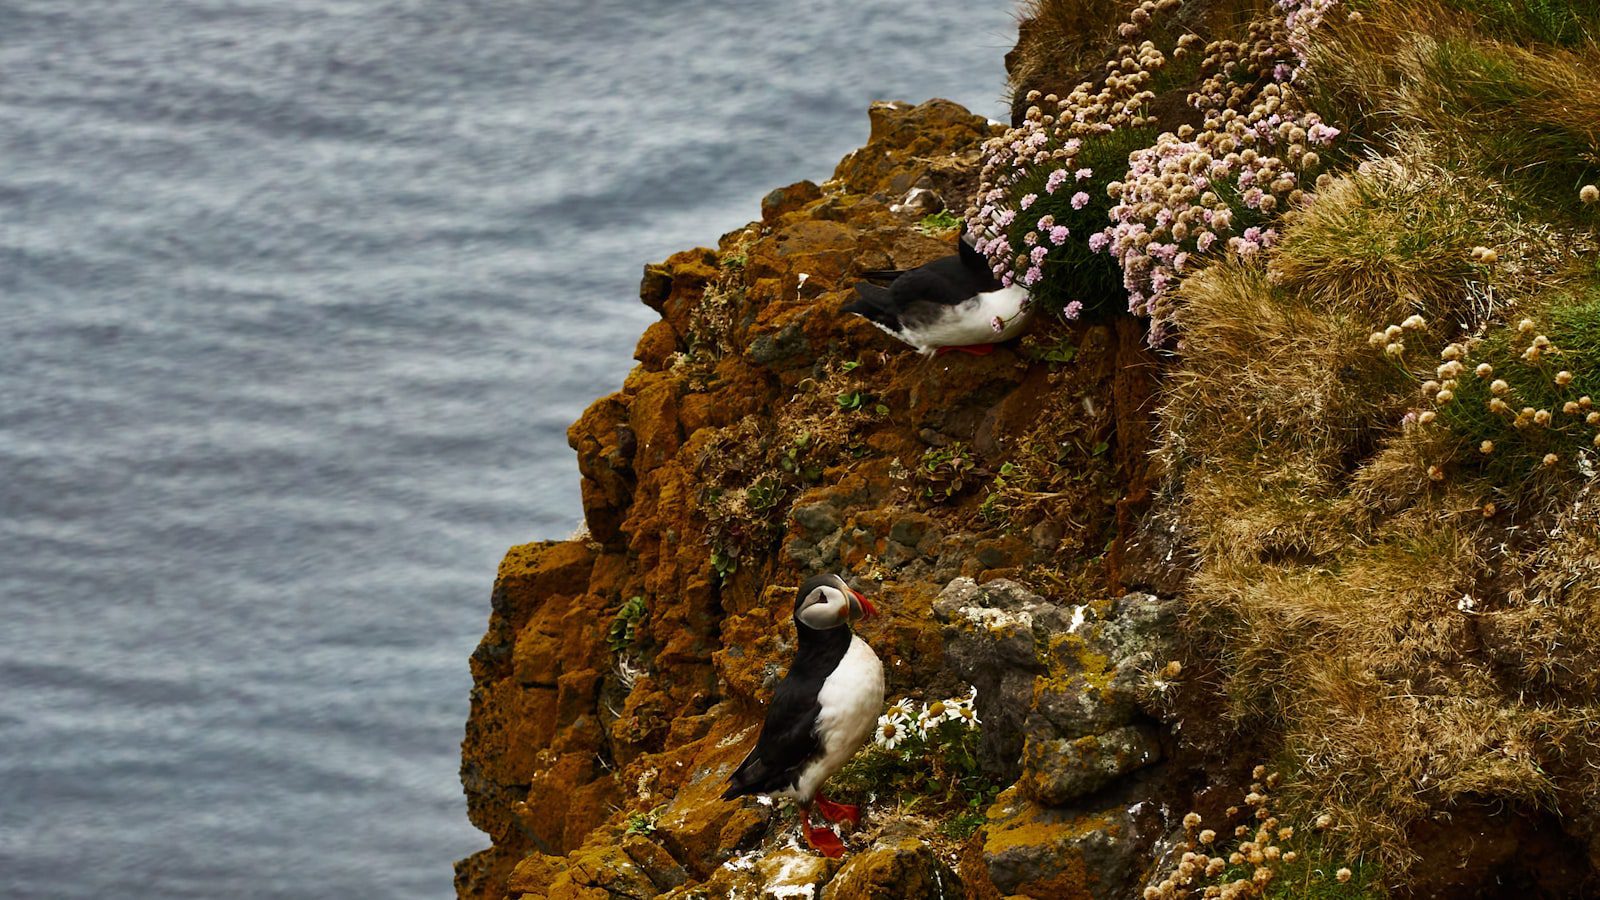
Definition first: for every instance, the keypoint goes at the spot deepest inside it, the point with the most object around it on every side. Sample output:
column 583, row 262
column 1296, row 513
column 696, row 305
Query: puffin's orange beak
column 861, row 605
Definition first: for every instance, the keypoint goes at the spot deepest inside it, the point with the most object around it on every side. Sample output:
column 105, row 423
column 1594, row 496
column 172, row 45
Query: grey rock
column 816, row 519
column 1059, row 771
column 788, row 342
column 1040, row 852
column 989, row 641
column 899, row 867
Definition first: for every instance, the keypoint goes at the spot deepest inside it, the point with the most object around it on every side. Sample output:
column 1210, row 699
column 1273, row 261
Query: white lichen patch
column 1078, row 614
column 744, row 862
column 736, row 738
column 989, row 617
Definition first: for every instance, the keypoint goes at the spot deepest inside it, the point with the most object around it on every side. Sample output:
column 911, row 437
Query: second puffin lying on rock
column 953, row 303
column 822, row 712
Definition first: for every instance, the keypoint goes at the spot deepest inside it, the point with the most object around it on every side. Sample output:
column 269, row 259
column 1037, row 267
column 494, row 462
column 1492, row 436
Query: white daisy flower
column 966, row 715
column 891, row 731
column 935, row 712
column 902, row 709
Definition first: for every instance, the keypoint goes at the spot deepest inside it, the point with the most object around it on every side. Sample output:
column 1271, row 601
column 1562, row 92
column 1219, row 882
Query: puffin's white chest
column 972, row 322
column 851, row 700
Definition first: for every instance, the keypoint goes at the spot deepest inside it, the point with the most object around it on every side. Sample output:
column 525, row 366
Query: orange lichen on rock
column 763, row 437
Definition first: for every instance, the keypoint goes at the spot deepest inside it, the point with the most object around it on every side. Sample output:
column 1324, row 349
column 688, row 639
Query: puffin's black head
column 827, row 602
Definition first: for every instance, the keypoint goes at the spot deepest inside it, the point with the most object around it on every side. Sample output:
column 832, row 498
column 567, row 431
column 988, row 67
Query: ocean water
column 297, row 298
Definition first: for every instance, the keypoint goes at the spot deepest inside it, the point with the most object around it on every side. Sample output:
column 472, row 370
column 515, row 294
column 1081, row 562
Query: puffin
column 952, row 303
column 824, row 709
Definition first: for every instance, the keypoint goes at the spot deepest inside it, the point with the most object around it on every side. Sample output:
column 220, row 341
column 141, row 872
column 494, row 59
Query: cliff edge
column 1264, row 563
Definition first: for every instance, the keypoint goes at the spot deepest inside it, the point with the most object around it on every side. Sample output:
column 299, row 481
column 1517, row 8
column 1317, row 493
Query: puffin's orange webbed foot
column 838, row 812
column 970, row 350
column 821, row 839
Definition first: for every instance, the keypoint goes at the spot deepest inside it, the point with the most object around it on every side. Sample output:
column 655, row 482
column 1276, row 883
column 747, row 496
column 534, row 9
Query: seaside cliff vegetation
column 1267, row 564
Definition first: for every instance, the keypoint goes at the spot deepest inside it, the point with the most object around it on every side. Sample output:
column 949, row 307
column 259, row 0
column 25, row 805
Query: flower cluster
column 1513, row 394
column 1208, row 869
column 1085, row 176
column 902, row 722
column 1041, row 200
column 1220, row 187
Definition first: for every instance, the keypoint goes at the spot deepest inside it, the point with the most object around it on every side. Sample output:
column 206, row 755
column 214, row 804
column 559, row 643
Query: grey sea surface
column 297, row 298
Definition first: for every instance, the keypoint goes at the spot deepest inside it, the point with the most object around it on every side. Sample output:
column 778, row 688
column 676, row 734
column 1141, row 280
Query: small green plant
column 733, row 261
column 941, row 221
column 926, row 759
column 723, row 563
column 642, row 823
column 794, row 459
column 1059, row 353
column 621, row 637
column 764, row 494
column 962, row 825
column 944, row 471
column 993, row 507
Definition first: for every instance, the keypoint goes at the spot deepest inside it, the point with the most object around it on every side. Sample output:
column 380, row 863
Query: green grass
column 1566, row 23
column 1571, row 320
column 1313, row 877
column 939, row 222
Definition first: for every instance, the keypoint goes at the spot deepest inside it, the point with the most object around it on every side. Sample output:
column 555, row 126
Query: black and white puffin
column 952, row 303
column 822, row 712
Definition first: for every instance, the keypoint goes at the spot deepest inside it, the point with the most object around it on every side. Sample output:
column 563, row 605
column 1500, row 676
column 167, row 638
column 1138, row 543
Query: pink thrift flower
column 1204, row 242
column 1054, row 182
column 1038, row 254
column 1080, row 200
column 1027, row 201
column 1032, row 276
column 1073, row 310
column 998, row 324
column 1084, row 175
column 1098, row 241
column 1059, row 235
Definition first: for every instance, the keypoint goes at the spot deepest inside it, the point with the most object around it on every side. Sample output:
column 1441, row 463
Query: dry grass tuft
column 1524, row 115
column 1059, row 41
column 1359, row 604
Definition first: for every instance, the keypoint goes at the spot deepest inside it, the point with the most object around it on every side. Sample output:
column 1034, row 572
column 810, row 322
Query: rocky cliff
column 1206, row 594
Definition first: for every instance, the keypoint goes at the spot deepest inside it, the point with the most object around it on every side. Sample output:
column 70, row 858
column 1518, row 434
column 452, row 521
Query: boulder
column 896, row 868
column 1033, row 851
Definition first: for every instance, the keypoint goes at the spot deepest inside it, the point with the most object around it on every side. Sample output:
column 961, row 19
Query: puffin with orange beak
column 823, row 711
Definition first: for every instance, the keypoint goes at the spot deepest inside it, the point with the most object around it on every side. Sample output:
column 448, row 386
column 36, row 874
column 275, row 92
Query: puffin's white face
column 832, row 605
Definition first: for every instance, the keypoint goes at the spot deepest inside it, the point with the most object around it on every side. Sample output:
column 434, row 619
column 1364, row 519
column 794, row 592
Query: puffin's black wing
column 946, row 281
column 874, row 303
column 788, row 740
column 882, row 276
